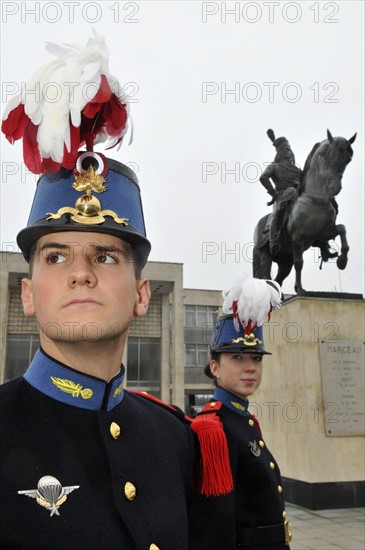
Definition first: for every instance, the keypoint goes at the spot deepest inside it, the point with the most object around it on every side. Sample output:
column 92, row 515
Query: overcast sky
column 206, row 80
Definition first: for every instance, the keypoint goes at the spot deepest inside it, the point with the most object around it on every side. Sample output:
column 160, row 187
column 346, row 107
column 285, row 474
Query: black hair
column 214, row 356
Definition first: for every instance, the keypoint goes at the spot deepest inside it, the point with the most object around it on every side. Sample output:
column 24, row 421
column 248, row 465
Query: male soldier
column 286, row 177
column 84, row 463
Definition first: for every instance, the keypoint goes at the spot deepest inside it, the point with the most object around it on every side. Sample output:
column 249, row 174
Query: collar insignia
column 254, row 448
column 87, row 209
column 118, row 390
column 70, row 387
column 238, row 406
column 50, row 494
column 248, row 340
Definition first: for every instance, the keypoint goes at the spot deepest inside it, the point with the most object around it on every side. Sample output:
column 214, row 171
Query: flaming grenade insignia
column 87, row 207
column 89, row 181
column 50, row 494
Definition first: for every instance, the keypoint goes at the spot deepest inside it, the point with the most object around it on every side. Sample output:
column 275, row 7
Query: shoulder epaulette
column 215, row 477
column 172, row 408
column 212, row 406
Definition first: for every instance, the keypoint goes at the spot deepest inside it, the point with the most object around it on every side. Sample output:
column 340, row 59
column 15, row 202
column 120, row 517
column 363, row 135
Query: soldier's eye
column 55, row 258
column 106, row 259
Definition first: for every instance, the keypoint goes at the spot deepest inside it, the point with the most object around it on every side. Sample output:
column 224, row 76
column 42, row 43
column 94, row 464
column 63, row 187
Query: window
column 200, row 316
column 144, row 364
column 199, row 327
column 197, row 355
column 191, row 355
column 20, row 350
column 189, row 316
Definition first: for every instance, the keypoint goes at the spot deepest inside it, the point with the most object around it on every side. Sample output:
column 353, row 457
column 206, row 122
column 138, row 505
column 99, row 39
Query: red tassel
column 216, row 474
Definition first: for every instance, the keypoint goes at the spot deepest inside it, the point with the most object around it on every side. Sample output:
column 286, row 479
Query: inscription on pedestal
column 342, row 373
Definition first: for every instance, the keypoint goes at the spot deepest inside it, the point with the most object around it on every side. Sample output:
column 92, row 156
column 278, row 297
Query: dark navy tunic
column 122, row 463
column 220, row 523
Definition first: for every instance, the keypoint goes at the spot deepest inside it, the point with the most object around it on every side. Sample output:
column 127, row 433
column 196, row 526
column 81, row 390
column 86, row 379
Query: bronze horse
column 310, row 219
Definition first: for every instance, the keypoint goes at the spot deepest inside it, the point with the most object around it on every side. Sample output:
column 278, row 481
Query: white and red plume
column 68, row 103
column 251, row 301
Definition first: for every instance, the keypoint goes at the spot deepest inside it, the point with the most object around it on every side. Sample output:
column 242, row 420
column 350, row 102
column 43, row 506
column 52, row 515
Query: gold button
column 284, row 514
column 154, row 547
column 280, row 489
column 251, row 423
column 114, row 430
column 262, row 444
column 130, row 491
column 272, row 465
column 213, row 404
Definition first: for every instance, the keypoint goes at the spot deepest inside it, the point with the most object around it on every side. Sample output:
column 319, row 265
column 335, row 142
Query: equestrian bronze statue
column 305, row 208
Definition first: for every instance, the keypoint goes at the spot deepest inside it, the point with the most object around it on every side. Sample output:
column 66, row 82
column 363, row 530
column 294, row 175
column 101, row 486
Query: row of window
column 144, row 358
column 144, row 354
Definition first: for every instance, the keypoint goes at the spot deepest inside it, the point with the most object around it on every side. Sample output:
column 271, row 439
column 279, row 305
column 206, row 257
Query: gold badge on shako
column 254, row 448
column 50, row 494
column 87, row 208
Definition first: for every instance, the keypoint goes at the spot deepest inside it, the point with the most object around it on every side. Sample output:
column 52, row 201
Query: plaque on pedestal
column 342, row 374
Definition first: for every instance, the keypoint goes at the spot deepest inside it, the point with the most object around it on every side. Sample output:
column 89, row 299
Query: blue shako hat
column 226, row 339
column 100, row 195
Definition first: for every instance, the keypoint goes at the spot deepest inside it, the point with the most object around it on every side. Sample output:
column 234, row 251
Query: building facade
column 166, row 350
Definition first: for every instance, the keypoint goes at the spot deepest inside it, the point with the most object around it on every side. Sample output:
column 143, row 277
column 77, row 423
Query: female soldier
column 240, row 502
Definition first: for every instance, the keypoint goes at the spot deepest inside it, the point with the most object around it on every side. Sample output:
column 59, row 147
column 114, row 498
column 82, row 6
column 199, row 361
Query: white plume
column 59, row 90
column 251, row 300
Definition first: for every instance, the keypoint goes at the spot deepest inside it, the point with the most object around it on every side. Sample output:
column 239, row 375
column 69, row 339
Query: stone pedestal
column 310, row 403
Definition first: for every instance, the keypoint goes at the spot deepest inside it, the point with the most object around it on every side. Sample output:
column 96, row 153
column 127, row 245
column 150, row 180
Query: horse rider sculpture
column 286, row 176
column 305, row 208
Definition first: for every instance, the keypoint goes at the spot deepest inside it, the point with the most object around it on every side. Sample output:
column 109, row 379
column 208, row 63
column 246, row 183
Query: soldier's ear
column 27, row 297
column 143, row 297
column 214, row 366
